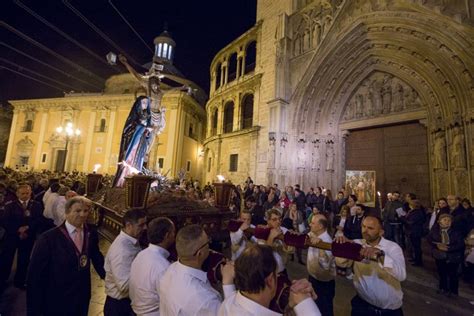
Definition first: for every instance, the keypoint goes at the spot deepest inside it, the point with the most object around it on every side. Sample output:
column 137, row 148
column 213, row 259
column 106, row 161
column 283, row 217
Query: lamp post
column 69, row 132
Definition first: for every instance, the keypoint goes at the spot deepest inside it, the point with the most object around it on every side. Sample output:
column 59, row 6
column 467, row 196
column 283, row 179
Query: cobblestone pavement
column 420, row 294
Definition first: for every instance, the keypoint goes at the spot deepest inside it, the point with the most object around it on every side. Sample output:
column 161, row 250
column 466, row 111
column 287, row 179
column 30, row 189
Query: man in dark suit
column 21, row 220
column 58, row 281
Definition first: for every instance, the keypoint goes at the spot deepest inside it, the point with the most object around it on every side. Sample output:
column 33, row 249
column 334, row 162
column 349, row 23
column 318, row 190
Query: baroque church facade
column 380, row 85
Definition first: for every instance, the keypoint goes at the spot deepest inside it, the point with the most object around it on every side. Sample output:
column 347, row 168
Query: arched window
column 29, row 126
column 214, row 123
column 102, row 125
column 228, row 117
column 232, row 70
column 250, row 57
column 218, row 75
column 247, row 111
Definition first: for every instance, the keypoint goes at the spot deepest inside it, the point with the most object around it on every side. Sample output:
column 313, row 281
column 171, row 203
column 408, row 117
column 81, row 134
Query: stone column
column 88, row 134
column 109, row 137
column 11, row 138
column 39, row 147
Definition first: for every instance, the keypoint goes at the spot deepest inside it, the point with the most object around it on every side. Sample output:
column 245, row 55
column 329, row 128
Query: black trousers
column 325, row 290
column 448, row 276
column 415, row 242
column 114, row 307
column 362, row 308
column 23, row 259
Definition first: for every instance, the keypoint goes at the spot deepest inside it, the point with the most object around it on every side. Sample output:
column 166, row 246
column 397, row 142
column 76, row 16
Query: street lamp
column 68, row 132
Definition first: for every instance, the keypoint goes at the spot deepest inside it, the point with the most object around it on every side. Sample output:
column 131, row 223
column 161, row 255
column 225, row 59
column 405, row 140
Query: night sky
column 199, row 28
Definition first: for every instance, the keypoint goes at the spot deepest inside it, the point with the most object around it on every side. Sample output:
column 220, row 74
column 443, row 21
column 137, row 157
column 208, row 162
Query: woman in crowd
column 447, row 250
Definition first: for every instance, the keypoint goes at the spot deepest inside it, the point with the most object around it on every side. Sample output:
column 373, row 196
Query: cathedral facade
column 317, row 88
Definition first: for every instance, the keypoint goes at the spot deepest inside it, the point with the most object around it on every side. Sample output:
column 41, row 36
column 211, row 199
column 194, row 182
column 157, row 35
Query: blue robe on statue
column 136, row 140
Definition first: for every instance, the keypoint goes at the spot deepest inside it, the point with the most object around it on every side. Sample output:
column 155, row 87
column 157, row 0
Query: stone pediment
column 381, row 94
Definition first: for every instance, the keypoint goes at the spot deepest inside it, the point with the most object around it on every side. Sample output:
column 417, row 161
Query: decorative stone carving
column 381, row 93
column 316, row 159
column 439, row 151
column 301, row 153
column 330, row 155
column 458, row 156
column 311, row 24
column 271, row 150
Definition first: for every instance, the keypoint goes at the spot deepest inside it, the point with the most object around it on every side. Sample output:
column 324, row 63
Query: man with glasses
column 184, row 288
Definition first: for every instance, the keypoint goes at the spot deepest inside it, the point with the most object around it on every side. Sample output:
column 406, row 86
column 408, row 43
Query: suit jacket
column 55, row 284
column 413, row 222
column 353, row 227
column 14, row 216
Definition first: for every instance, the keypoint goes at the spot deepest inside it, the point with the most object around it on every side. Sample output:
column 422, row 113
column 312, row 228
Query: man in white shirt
column 321, row 265
column 238, row 239
column 185, row 289
column 149, row 267
column 256, row 279
column 118, row 262
column 378, row 287
column 50, row 199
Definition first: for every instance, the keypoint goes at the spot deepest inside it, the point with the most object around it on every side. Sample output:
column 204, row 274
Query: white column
column 110, row 134
column 90, row 134
column 11, row 138
column 39, row 147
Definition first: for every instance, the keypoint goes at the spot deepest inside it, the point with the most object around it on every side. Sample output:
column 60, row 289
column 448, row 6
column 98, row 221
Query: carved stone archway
column 416, row 50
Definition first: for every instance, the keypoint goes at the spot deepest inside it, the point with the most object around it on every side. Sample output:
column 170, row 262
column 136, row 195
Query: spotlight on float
column 221, row 178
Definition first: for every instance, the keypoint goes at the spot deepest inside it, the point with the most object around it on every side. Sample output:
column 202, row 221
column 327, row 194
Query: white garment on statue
column 118, row 262
column 48, row 205
column 321, row 267
column 379, row 284
column 147, row 271
column 59, row 210
column 238, row 239
column 186, row 291
column 237, row 304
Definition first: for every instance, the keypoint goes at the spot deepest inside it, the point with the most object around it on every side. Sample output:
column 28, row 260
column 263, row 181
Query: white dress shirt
column 239, row 242
column 320, row 263
column 72, row 231
column 185, row 291
column 59, row 210
column 237, row 304
column 379, row 284
column 145, row 276
column 48, row 205
column 118, row 263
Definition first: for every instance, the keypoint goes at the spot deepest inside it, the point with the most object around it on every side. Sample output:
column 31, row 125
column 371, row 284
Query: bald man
column 377, row 283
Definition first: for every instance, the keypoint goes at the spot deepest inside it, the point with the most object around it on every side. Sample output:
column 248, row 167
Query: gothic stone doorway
column 398, row 154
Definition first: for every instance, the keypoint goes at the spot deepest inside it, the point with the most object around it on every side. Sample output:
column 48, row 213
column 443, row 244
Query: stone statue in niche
column 375, row 89
column 387, row 94
column 359, row 106
column 397, row 101
column 369, row 105
column 439, row 151
column 283, row 160
column 458, row 150
column 316, row 161
column 330, row 155
column 271, row 153
column 301, row 154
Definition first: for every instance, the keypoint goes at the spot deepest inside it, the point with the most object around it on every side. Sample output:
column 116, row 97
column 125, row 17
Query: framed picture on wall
column 362, row 184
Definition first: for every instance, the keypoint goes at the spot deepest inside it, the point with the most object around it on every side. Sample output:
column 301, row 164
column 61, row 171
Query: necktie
column 25, row 206
column 78, row 240
column 444, row 237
